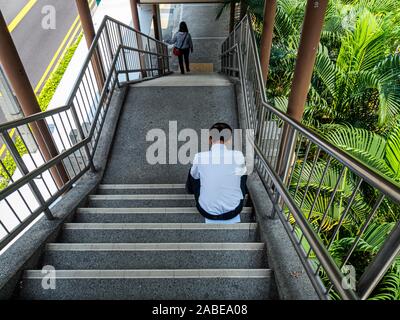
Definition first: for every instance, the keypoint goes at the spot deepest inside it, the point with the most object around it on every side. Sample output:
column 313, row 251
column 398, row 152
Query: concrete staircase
column 149, row 242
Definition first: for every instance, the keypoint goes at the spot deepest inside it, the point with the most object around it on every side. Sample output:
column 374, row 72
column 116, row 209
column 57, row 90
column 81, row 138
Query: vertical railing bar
column 332, row 198
column 302, row 167
column 311, row 173
column 33, row 160
column 87, row 97
column 93, row 102
column 364, row 227
column 68, row 138
column 12, row 181
column 293, row 167
column 81, row 136
column 90, row 121
column 24, row 170
column 123, row 53
column 63, row 145
column 40, row 153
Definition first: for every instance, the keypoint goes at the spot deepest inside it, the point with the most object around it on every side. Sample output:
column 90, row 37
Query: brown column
column 135, row 14
column 85, row 16
column 309, row 41
column 266, row 36
column 156, row 22
column 19, row 81
column 310, row 37
column 232, row 17
column 243, row 9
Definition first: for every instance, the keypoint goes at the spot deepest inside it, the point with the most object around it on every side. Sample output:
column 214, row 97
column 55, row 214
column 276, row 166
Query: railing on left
column 119, row 55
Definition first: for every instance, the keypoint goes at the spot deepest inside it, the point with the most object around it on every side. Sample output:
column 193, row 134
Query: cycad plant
column 357, row 70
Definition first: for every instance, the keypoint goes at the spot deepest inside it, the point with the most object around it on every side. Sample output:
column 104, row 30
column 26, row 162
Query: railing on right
column 330, row 203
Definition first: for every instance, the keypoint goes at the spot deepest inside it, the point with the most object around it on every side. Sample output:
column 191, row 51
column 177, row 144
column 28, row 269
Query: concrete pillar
column 266, row 36
column 85, row 16
column 16, row 74
column 135, row 14
column 309, row 41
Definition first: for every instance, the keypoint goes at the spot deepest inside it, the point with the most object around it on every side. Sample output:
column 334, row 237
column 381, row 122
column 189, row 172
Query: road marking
column 53, row 60
column 3, row 148
column 15, row 23
column 49, row 67
column 21, row 15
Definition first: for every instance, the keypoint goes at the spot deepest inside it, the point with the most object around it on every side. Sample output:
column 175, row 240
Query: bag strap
column 183, row 41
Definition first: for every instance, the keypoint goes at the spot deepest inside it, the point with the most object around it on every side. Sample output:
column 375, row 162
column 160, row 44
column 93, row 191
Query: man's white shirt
column 220, row 171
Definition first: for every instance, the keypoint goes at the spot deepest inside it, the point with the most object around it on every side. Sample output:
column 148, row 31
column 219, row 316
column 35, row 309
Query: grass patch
column 9, row 163
column 54, row 80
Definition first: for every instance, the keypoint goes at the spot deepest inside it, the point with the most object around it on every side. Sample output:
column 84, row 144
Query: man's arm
column 240, row 162
column 194, row 171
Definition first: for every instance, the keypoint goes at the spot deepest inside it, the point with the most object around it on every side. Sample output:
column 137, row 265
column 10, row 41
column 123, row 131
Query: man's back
column 220, row 171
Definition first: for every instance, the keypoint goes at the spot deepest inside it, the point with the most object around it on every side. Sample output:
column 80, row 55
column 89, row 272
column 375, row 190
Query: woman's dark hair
column 183, row 27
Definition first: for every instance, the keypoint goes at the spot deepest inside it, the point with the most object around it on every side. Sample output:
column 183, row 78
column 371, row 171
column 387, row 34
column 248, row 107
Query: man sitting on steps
column 218, row 178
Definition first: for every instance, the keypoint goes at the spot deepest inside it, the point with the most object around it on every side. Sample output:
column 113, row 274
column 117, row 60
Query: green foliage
column 365, row 251
column 8, row 167
column 54, row 80
column 378, row 152
column 354, row 102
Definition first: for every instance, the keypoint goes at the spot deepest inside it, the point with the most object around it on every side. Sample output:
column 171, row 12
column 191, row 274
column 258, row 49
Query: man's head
column 220, row 133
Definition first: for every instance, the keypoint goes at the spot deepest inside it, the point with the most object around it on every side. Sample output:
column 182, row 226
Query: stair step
column 200, row 284
column 141, row 200
column 141, row 189
column 155, row 256
column 158, row 232
column 140, row 215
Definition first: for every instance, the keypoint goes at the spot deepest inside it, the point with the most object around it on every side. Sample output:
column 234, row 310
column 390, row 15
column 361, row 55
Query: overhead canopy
column 179, row 1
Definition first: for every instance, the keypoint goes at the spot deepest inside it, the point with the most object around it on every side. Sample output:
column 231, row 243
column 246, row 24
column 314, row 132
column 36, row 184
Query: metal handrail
column 239, row 53
column 116, row 52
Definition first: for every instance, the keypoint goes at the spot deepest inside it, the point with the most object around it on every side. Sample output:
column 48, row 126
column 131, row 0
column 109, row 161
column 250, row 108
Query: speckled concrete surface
column 149, row 107
column 149, row 289
column 157, row 235
column 146, row 217
column 156, row 259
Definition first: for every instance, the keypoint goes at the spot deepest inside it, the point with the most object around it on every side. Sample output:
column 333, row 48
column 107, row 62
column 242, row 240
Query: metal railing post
column 81, row 137
column 388, row 253
column 24, row 170
column 150, row 56
column 123, row 52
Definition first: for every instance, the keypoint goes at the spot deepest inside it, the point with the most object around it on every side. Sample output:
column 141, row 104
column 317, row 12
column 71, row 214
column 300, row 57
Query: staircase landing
column 195, row 101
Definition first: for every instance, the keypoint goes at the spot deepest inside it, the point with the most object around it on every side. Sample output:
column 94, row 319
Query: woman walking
column 183, row 45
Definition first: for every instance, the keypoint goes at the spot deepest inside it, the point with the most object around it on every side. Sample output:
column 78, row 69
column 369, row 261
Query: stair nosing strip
column 158, row 226
column 152, row 274
column 140, row 186
column 196, row 246
column 146, row 210
column 106, row 197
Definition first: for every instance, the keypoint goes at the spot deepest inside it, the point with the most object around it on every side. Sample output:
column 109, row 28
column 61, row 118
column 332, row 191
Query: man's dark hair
column 220, row 132
column 183, row 27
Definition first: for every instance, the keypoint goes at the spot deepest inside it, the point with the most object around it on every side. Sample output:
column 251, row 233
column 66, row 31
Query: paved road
column 36, row 45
